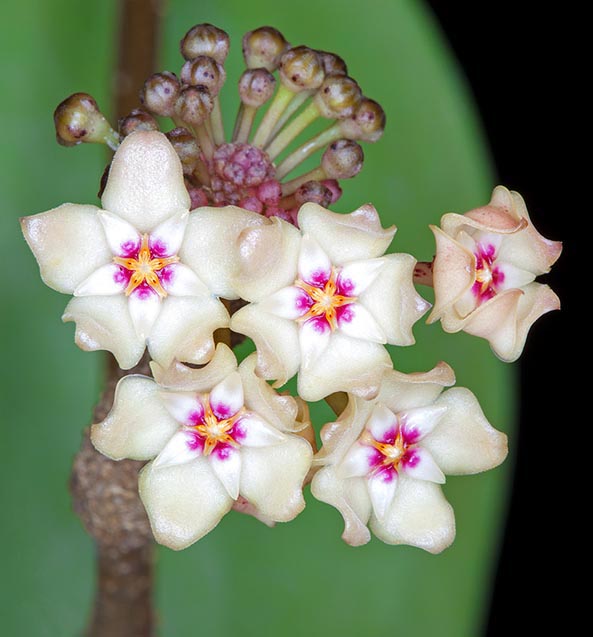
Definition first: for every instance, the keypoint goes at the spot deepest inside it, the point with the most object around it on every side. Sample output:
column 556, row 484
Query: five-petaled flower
column 484, row 271
column 144, row 271
column 217, row 434
column 383, row 460
column 325, row 299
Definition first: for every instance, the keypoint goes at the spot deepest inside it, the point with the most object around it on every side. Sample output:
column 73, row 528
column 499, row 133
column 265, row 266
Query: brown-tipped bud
column 205, row 39
column 256, row 87
column 332, row 64
column 160, row 92
column 78, row 119
column 315, row 192
column 206, row 71
column 194, row 105
column 343, row 159
column 186, row 147
column 367, row 124
column 301, row 69
column 338, row 97
column 263, row 47
column 136, row 120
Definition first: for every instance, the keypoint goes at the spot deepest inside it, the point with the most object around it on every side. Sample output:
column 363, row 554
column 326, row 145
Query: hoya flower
column 484, row 271
column 384, row 460
column 140, row 269
column 219, row 435
column 325, row 299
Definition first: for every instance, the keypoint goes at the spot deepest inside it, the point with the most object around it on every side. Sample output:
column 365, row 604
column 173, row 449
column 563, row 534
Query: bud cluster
column 283, row 90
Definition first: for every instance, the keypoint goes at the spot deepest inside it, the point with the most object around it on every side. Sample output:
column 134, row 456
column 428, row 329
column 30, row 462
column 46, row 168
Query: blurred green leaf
column 299, row 578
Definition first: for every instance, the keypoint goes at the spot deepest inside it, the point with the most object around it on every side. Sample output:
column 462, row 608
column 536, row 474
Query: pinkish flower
column 325, row 299
column 220, row 437
column 143, row 271
column 383, row 461
column 484, row 271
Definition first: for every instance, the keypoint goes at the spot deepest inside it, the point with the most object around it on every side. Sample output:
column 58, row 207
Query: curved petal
column 145, row 307
column 68, row 243
column 382, row 424
column 104, row 281
column 256, row 432
column 464, row 441
column 184, row 329
column 315, row 336
column 314, row 266
column 276, row 340
column 356, row 321
column 104, row 322
column 419, row 515
column 420, row 465
column 122, row 237
column 180, row 280
column 289, row 303
column 145, row 183
column 167, row 237
column 272, row 477
column 382, row 486
column 184, row 406
column 348, row 364
column 393, row 301
column 138, row 426
column 350, row 497
column 226, row 464
column 226, row 398
column 211, row 245
column 184, row 446
column 346, row 237
column 417, row 423
column 355, row 278
column 268, row 257
column 358, row 461
column 183, row 502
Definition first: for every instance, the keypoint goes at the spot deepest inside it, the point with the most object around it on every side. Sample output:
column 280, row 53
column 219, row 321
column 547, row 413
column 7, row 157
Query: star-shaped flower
column 144, row 271
column 219, row 435
column 383, row 461
column 325, row 299
column 484, row 271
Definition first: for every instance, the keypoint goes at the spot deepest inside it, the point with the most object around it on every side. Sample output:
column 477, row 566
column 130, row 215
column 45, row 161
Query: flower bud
column 136, row 120
column 160, row 92
column 301, row 69
column 343, row 159
column 205, row 39
column 206, row 71
column 263, row 47
column 194, row 105
column 367, row 123
column 337, row 97
column 315, row 192
column 256, row 87
column 78, row 119
column 186, row 147
column 332, row 64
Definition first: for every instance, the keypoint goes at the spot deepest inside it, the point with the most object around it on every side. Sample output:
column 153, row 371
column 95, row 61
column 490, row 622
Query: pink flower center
column 327, row 299
column 489, row 277
column 213, row 433
column 395, row 449
column 144, row 269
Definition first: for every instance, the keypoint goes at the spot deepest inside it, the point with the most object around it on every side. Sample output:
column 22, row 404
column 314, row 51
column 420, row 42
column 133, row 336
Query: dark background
column 520, row 60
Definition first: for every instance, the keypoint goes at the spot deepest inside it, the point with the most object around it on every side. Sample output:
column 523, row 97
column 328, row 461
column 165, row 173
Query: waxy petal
column 355, row 278
column 68, row 243
column 382, row 424
column 289, row 303
column 180, row 280
column 185, row 407
column 104, row 322
column 138, row 426
column 356, row 321
column 184, row 502
column 464, row 442
column 382, row 486
column 346, row 237
column 145, row 184
column 226, row 464
column 227, row 398
column 184, row 446
column 104, row 281
column 358, row 462
column 272, row 477
column 314, row 266
column 314, row 337
column 256, row 432
column 184, row 329
column 144, row 307
column 419, row 464
column 167, row 237
column 417, row 423
column 122, row 237
column 419, row 515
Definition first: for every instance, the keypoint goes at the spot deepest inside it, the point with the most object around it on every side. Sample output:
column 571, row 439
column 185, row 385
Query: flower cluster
column 313, row 289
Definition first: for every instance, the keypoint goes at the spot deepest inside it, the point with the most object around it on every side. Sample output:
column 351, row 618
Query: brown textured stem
column 104, row 492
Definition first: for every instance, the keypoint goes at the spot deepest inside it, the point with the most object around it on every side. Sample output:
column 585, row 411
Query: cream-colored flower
column 219, row 435
column 325, row 299
column 484, row 271
column 144, row 271
column 383, row 461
